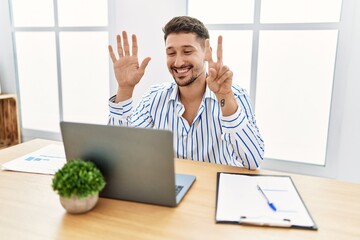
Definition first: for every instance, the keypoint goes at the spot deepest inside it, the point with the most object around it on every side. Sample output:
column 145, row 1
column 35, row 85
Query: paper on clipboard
column 240, row 201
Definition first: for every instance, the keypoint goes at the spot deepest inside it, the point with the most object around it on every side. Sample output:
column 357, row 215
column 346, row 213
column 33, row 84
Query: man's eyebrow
column 183, row 46
column 188, row 46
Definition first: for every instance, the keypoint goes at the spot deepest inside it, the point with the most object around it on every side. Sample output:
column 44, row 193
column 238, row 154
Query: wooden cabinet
column 9, row 121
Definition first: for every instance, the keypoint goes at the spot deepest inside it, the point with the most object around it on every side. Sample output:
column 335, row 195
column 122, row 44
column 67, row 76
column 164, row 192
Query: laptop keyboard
column 178, row 188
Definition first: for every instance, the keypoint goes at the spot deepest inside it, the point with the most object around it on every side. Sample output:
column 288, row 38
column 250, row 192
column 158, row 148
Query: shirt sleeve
column 122, row 113
column 241, row 131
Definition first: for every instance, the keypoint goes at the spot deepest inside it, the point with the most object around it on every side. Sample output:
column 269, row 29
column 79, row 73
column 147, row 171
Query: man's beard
column 188, row 82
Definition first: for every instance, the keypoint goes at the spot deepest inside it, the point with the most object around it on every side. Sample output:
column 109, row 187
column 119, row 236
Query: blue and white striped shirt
column 233, row 140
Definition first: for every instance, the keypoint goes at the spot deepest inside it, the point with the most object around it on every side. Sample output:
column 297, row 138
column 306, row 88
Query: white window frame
column 28, row 134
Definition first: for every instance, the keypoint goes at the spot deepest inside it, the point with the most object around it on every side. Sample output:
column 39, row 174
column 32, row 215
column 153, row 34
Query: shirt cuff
column 120, row 109
column 233, row 123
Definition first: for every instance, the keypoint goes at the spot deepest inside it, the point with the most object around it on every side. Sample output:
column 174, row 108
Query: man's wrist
column 228, row 104
column 124, row 93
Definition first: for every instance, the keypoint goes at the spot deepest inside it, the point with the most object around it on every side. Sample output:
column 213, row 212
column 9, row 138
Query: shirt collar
column 175, row 94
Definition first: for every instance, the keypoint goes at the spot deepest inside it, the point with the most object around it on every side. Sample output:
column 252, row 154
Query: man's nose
column 179, row 61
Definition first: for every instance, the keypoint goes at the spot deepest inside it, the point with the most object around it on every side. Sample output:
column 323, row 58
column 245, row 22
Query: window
column 283, row 52
column 62, row 61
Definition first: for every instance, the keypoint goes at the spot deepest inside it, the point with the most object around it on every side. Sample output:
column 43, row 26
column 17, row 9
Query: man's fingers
column 112, row 55
column 126, row 43
column 223, row 69
column 223, row 74
column 123, row 48
column 225, row 77
column 208, row 52
column 119, row 46
column 219, row 50
column 134, row 45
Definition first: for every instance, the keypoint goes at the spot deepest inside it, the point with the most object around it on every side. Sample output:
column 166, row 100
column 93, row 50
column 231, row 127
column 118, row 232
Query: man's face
column 185, row 58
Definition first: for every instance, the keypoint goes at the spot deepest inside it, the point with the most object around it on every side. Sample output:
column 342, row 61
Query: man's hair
column 186, row 24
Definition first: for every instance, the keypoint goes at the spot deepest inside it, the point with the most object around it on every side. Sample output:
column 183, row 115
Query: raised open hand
column 220, row 76
column 127, row 70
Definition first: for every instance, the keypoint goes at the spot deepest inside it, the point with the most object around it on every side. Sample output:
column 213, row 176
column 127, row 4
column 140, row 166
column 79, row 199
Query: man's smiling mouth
column 181, row 70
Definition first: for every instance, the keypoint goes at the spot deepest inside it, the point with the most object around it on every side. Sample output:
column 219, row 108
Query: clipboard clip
column 265, row 221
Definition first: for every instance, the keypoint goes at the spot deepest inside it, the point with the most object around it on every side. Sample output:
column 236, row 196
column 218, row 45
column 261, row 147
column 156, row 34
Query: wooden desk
column 29, row 209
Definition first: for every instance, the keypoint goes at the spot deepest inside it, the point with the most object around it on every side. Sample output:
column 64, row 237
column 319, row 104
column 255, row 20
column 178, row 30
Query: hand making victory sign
column 219, row 79
column 127, row 70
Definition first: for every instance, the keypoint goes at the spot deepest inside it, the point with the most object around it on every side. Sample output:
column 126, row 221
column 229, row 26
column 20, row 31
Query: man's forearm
column 228, row 104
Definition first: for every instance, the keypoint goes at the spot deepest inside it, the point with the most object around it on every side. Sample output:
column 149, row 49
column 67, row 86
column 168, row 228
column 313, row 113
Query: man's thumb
column 144, row 64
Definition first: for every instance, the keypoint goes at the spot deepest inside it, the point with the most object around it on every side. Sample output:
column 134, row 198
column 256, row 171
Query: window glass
column 300, row 11
column 83, row 13
column 225, row 11
column 34, row 13
column 237, row 50
column 295, row 76
column 36, row 59
column 85, row 76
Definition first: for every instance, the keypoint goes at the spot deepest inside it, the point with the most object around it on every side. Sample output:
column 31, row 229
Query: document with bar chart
column 46, row 160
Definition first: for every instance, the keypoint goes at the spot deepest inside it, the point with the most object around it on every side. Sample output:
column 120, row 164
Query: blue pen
column 271, row 205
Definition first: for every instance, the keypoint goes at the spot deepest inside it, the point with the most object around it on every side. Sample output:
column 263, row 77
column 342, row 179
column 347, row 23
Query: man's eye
column 170, row 54
column 187, row 52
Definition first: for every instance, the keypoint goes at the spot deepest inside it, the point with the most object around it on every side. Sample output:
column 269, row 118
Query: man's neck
column 193, row 92
column 191, row 97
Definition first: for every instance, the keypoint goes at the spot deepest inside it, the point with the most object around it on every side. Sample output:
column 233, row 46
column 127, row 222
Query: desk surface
column 29, row 209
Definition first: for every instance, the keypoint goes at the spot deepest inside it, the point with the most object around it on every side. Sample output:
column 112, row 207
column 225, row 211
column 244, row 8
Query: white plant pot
column 77, row 205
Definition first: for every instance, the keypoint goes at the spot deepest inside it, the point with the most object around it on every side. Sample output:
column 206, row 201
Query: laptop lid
column 137, row 163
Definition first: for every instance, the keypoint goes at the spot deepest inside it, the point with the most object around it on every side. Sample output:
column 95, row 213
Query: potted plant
column 78, row 184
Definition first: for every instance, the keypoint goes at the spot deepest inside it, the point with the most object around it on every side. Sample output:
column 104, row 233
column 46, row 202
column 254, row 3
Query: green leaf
column 78, row 178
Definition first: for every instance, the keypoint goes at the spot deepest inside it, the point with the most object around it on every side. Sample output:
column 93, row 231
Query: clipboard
column 260, row 200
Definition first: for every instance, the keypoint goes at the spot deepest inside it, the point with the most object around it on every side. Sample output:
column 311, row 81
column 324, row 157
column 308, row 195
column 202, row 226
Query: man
column 211, row 120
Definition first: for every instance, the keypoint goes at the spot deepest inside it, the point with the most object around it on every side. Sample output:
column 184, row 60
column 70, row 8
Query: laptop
column 137, row 163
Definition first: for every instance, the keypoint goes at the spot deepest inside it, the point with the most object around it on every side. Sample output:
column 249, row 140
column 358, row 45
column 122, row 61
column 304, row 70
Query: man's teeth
column 182, row 70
